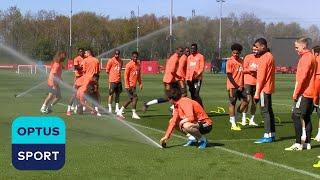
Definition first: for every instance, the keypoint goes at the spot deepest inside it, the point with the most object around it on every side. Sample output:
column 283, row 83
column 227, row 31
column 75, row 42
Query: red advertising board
column 149, row 67
column 207, row 67
column 69, row 65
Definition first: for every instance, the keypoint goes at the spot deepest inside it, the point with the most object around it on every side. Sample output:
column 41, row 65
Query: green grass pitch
column 104, row 148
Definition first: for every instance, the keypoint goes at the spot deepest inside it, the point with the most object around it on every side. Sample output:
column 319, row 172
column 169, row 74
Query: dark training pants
column 194, row 89
column 302, row 110
column 267, row 113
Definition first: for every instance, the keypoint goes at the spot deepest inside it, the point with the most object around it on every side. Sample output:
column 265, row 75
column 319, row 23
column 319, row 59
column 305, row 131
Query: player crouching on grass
column 190, row 117
column 53, row 83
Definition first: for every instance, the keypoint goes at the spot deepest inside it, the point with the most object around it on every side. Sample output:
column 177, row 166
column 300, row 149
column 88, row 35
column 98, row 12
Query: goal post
column 28, row 68
column 43, row 68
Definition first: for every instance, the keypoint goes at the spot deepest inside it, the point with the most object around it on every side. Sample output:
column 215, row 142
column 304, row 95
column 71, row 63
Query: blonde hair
column 304, row 40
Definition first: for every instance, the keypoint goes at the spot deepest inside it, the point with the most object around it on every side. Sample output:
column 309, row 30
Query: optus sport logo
column 38, row 143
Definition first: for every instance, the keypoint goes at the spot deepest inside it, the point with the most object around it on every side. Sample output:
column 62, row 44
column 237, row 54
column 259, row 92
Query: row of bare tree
column 40, row 34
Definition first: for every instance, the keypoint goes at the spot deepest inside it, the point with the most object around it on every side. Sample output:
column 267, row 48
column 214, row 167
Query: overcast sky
column 304, row 12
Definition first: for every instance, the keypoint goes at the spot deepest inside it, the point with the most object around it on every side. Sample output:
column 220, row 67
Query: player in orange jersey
column 91, row 69
column 78, row 71
column 264, row 88
column 303, row 95
column 53, row 83
column 250, row 67
column 189, row 117
column 169, row 78
column 235, row 87
column 132, row 76
column 182, row 70
column 85, row 92
column 194, row 73
column 113, row 69
column 316, row 52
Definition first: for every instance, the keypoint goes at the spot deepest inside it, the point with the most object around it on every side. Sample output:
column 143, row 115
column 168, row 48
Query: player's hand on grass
column 163, row 141
column 141, row 86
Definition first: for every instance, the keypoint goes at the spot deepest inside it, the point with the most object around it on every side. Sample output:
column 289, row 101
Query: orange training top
column 234, row 67
column 187, row 108
column 265, row 75
column 250, row 66
column 195, row 67
column 78, row 61
column 132, row 74
column 305, row 76
column 182, row 67
column 171, row 68
column 113, row 68
column 318, row 67
column 55, row 74
column 91, row 67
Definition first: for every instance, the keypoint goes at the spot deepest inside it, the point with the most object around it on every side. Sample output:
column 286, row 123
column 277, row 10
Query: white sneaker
column 243, row 123
column 317, row 138
column 83, row 108
column 98, row 114
column 307, row 146
column 43, row 110
column 75, row 110
column 49, row 109
column 135, row 116
column 119, row 114
column 294, row 147
column 252, row 123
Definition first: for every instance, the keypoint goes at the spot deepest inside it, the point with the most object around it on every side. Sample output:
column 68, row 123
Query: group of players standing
column 251, row 80
column 87, row 70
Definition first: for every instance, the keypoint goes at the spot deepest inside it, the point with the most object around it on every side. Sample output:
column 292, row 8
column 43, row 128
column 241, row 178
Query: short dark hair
column 236, row 46
column 194, row 44
column 91, row 52
column 262, row 41
column 80, row 49
column 117, row 50
column 316, row 49
column 174, row 93
column 135, row 52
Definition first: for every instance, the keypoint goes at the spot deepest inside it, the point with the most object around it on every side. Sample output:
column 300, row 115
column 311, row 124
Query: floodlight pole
column 219, row 46
column 138, row 30
column 70, row 31
column 170, row 35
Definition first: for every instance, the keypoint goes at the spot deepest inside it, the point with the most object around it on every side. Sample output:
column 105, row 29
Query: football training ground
column 106, row 148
